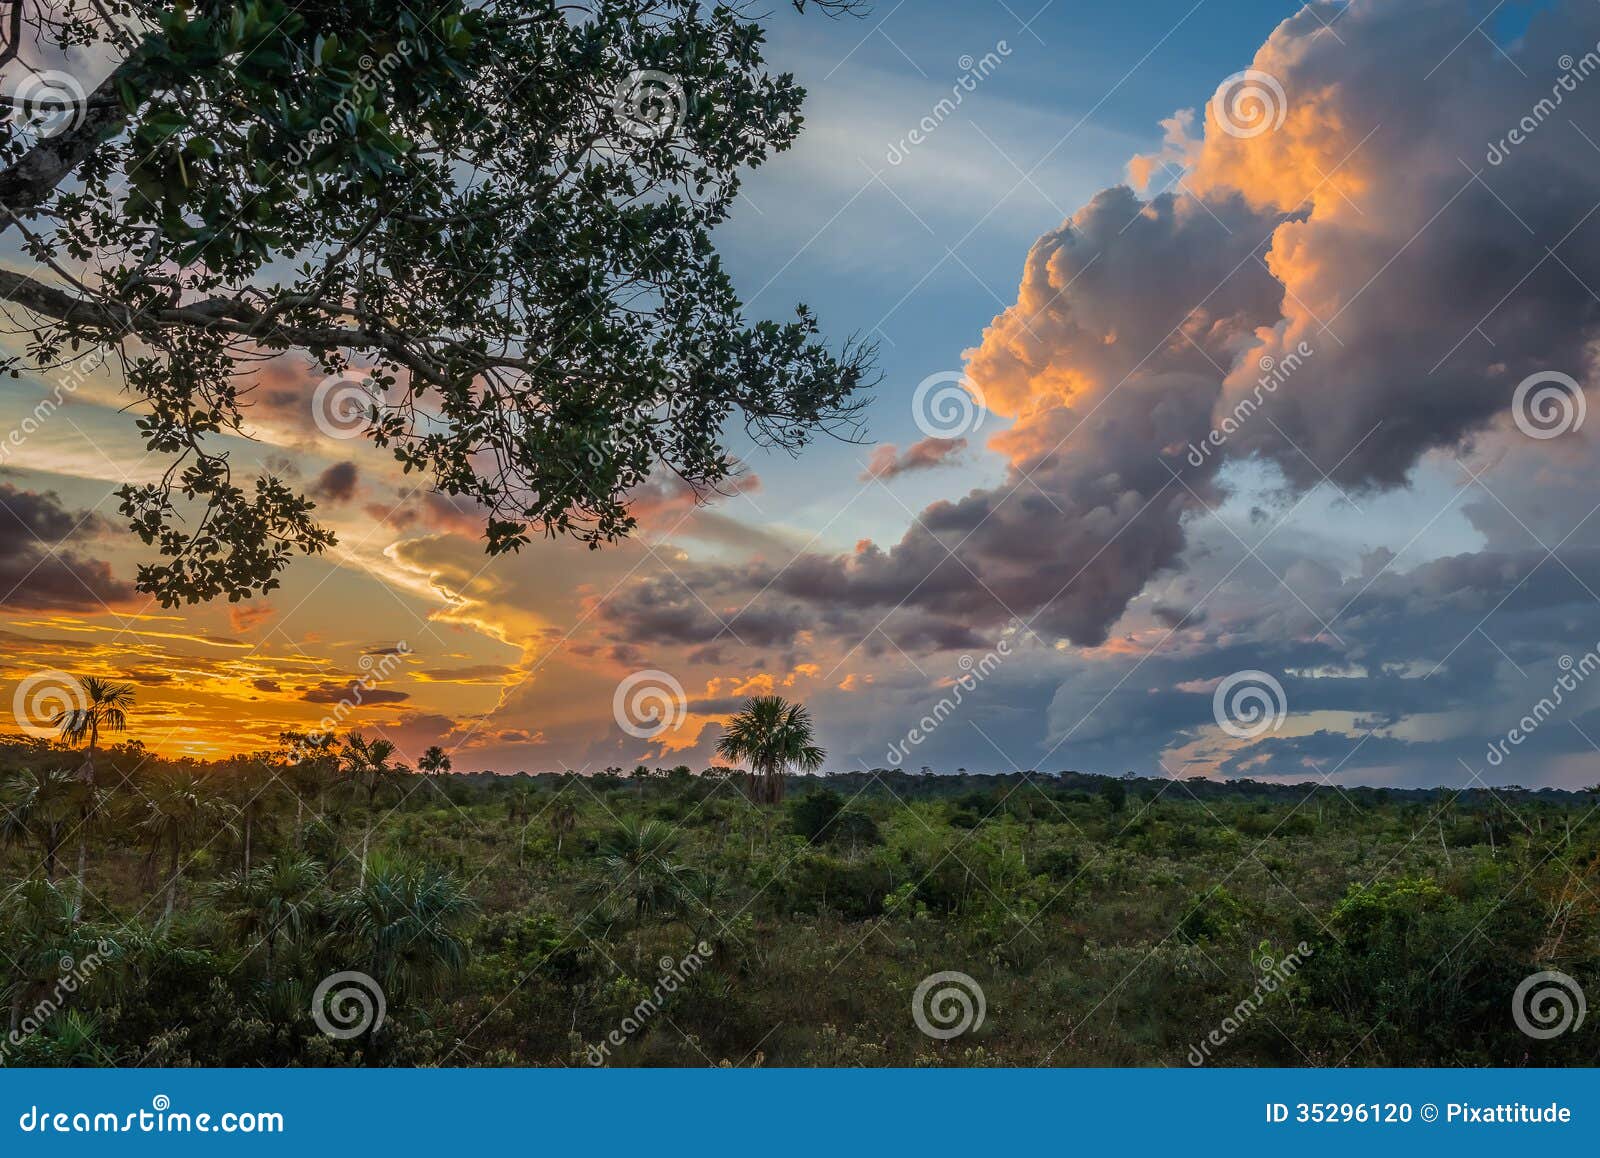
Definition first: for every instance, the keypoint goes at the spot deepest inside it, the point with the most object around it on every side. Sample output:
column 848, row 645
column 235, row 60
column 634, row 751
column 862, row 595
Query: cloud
column 1108, row 366
column 1339, row 294
column 39, row 571
column 889, row 462
column 482, row 673
column 336, row 484
column 247, row 617
column 354, row 693
column 1417, row 270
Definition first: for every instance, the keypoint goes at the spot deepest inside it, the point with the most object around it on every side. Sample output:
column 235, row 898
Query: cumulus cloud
column 1421, row 273
column 1339, row 293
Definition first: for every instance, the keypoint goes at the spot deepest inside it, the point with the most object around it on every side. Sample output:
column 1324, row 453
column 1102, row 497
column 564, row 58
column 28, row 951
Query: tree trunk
column 172, row 881
column 247, row 840
column 365, row 836
column 28, row 183
column 87, row 773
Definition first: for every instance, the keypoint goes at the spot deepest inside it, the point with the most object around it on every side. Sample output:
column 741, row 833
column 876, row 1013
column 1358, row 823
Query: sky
column 1231, row 423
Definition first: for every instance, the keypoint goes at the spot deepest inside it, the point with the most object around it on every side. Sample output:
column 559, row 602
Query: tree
column 246, row 788
column 272, row 902
column 39, row 805
column 367, row 762
column 815, row 813
column 404, row 921
column 178, row 808
column 489, row 227
column 773, row 735
column 1114, row 794
column 39, row 937
column 105, row 705
column 635, row 855
column 311, row 761
column 563, row 819
column 434, row 762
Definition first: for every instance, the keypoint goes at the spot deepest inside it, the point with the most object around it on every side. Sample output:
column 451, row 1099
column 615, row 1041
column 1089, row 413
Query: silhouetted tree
column 772, row 735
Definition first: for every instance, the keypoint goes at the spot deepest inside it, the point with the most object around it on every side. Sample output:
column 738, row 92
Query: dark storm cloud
column 39, row 568
column 337, row 484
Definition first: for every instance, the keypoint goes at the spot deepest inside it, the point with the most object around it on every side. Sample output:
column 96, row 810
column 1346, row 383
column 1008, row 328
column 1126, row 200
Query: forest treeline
column 676, row 917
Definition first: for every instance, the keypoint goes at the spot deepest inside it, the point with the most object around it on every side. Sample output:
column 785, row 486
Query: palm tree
column 563, row 819
column 311, row 761
column 519, row 803
column 773, row 735
column 39, row 933
column 368, row 762
column 405, row 921
column 274, row 901
column 245, row 787
column 38, row 806
column 635, row 855
column 434, row 762
column 177, row 809
column 105, row 705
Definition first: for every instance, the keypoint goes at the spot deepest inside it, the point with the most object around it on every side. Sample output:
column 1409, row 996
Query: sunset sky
column 1114, row 268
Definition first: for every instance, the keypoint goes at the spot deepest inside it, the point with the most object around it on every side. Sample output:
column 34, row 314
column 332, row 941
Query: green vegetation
column 525, row 919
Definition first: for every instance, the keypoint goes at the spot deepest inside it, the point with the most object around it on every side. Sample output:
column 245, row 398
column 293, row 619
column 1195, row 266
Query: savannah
column 681, row 917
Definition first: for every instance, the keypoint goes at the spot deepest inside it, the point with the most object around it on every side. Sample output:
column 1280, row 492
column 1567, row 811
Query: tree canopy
column 486, row 228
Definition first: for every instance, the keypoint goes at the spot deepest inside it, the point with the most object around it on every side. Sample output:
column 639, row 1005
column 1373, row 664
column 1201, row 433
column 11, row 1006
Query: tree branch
column 29, row 182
